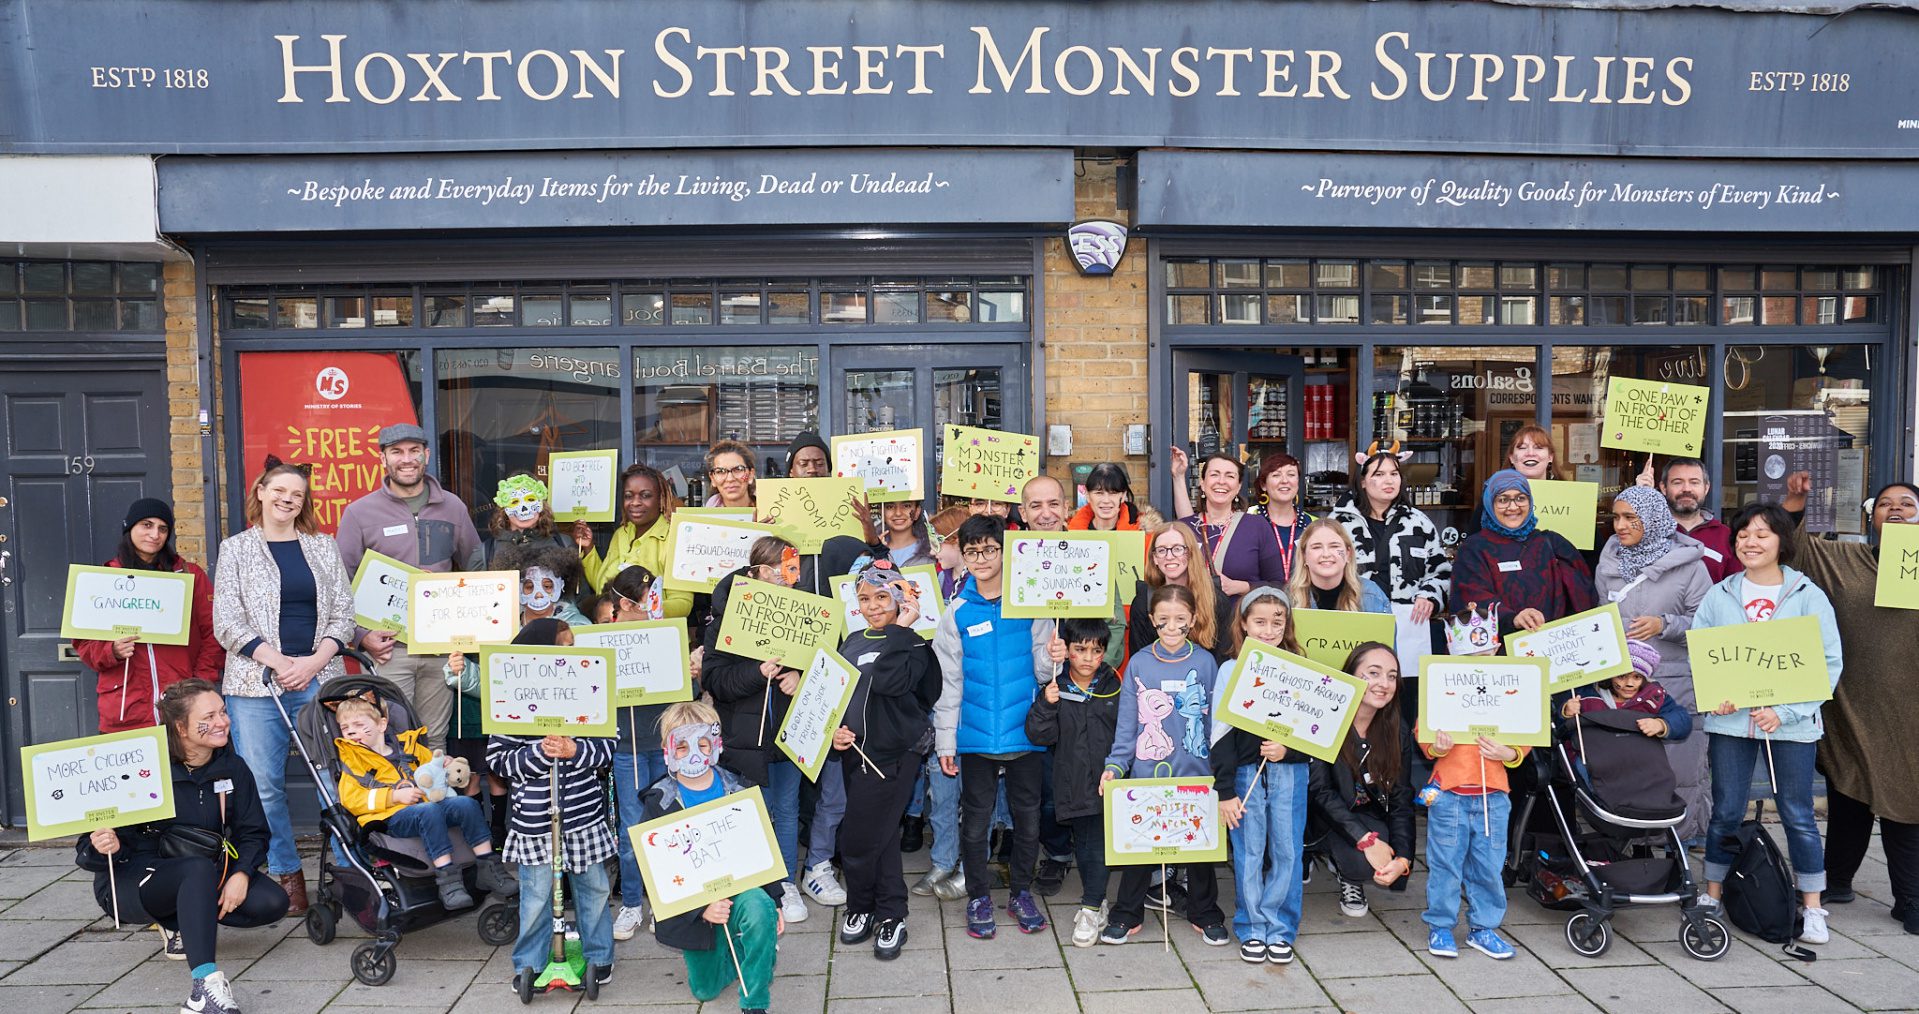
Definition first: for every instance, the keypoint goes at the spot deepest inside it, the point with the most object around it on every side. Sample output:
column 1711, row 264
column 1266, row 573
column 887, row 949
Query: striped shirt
column 586, row 838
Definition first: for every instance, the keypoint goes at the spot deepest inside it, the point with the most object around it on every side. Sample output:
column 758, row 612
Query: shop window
column 1579, row 377
column 1002, row 307
column 541, row 309
column 1289, row 275
column 795, row 307
column 296, row 312
column 346, row 311
column 1445, row 406
column 1796, row 408
column 79, row 296
column 1336, row 309
column 949, row 307
column 692, row 307
column 446, row 311
column 893, row 306
column 392, row 310
column 642, row 307
column 495, row 309
column 1287, row 309
column 1390, row 309
column 1241, row 308
column 1238, row 274
column 686, row 398
column 842, row 307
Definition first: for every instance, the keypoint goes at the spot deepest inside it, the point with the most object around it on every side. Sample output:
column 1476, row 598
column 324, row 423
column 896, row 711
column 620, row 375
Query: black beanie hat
column 144, row 508
column 806, row 438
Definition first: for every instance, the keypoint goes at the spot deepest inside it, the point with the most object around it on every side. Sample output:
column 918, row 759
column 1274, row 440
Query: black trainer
column 890, row 938
column 855, row 927
column 1050, row 877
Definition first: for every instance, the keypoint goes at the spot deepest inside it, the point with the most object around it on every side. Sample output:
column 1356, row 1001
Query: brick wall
column 183, row 410
column 1095, row 334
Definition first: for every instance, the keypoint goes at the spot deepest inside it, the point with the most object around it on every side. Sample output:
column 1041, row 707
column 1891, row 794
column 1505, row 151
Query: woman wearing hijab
column 1657, row 574
column 1535, row 576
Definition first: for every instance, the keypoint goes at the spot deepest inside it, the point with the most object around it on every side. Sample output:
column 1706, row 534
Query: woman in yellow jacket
column 377, row 784
column 648, row 503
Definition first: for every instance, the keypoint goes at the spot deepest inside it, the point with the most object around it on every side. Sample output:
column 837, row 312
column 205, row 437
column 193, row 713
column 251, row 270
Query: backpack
column 1758, row 894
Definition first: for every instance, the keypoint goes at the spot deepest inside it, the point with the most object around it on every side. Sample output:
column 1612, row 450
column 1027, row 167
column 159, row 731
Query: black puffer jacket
column 892, row 703
column 1080, row 734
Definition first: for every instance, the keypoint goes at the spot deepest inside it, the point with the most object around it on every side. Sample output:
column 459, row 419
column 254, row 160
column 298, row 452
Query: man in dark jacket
column 1074, row 718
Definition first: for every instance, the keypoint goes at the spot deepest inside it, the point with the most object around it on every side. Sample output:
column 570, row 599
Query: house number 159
column 80, row 465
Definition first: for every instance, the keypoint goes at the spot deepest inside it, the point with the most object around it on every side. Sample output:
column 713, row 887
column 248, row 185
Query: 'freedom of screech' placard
column 1471, row 696
column 108, row 603
column 78, row 786
column 1150, row 821
column 771, row 622
column 1652, row 415
column 539, row 690
column 460, row 612
column 583, row 485
column 1057, row 574
column 1758, row 665
column 694, row 857
column 987, row 464
column 1290, row 700
column 826, row 687
column 652, row 663
column 1582, row 648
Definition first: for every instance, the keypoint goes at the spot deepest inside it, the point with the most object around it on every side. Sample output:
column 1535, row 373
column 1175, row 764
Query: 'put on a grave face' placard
column 692, row 858
column 1057, row 574
column 1472, row 696
column 1290, row 700
column 536, row 690
column 77, row 786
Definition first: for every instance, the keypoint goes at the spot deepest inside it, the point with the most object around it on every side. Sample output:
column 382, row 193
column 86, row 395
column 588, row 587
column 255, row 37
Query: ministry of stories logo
column 1097, row 245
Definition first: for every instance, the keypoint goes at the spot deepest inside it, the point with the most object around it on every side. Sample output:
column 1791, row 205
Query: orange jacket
column 1459, row 770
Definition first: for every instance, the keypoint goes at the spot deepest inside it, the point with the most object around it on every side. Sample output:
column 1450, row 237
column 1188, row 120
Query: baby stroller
column 1601, row 832
column 385, row 882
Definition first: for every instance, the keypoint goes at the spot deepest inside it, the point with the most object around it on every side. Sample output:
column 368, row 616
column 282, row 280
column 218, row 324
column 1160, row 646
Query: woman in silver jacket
column 1657, row 575
column 281, row 603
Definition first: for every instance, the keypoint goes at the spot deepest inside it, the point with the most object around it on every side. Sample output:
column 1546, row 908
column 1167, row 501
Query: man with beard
column 1686, row 487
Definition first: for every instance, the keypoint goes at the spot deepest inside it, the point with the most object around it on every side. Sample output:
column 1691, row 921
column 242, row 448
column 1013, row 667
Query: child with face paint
column 882, row 740
column 550, row 576
column 693, row 744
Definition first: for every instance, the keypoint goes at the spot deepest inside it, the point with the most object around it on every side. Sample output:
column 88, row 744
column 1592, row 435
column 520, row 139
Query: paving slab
column 1244, row 987
column 1742, row 965
column 90, row 962
column 1803, row 999
column 1354, row 955
column 1868, row 984
column 1638, row 990
column 52, row 999
column 1141, row 964
column 1423, row 993
column 913, row 973
column 1036, row 989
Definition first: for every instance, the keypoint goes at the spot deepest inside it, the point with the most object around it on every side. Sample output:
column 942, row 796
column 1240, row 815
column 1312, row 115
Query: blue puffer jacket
column 993, row 667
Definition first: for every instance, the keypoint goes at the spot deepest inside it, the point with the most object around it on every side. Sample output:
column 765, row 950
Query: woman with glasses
column 1657, row 574
column 1174, row 558
column 729, row 467
column 1534, row 576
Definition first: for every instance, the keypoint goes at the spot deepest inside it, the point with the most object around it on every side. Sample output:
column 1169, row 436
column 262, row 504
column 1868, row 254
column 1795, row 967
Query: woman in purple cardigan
column 1239, row 547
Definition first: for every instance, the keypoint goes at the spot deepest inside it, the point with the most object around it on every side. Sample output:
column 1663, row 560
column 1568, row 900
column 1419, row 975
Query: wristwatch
column 1371, row 839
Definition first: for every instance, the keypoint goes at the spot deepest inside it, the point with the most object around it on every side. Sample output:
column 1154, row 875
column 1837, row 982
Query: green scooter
column 567, row 969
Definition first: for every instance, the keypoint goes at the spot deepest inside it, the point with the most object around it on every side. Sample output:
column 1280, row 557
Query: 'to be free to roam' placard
column 1651, row 415
column 583, row 485
column 691, row 858
column 539, row 690
column 1758, row 665
column 108, row 603
column 1290, row 700
column 772, row 622
column 77, row 786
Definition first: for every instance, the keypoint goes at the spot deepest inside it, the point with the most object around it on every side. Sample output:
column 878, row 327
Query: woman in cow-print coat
column 1396, row 546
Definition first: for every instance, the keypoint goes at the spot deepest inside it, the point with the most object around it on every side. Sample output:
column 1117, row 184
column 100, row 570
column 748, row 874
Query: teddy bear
column 442, row 775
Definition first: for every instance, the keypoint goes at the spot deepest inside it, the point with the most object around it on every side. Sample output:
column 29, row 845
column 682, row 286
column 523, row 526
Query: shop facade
column 547, row 226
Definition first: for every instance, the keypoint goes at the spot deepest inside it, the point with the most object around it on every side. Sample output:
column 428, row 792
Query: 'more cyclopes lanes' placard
column 1327, row 636
column 1582, row 648
column 1569, row 508
column 691, row 858
column 1057, row 574
column 1758, row 665
column 652, row 662
column 583, row 485
column 1150, row 821
column 987, row 464
column 888, row 465
column 538, row 690
column 1898, row 586
column 1290, row 700
column 1482, row 695
column 108, row 603
column 461, row 612
column 807, row 512
column 1655, row 416
column 701, row 549
column 77, row 786
column 772, row 622
column 826, row 687
column 380, row 592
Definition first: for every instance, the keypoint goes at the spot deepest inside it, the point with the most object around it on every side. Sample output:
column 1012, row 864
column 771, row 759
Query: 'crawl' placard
column 1290, row 700
column 1481, row 695
column 537, row 690
column 1327, row 636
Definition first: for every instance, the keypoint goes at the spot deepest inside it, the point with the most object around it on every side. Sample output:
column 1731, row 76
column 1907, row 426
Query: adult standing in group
column 1109, row 502
column 1657, row 575
column 132, row 675
column 1869, row 752
column 411, row 519
column 730, row 467
column 1531, row 453
column 283, row 610
column 1239, row 549
column 1325, row 576
column 1687, row 487
column 1042, row 506
column 1279, row 481
column 647, row 504
column 1783, row 739
column 1535, row 575
column 160, row 871
column 1174, row 557
column 1396, row 546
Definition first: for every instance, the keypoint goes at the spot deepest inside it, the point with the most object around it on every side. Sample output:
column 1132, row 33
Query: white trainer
column 823, row 887
column 792, row 904
column 1086, row 926
column 629, row 922
column 1815, row 931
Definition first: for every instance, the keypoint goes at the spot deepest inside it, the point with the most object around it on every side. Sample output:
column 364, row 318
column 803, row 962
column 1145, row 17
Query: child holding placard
column 883, row 738
column 1466, row 812
column 1262, row 800
column 1165, row 731
column 1075, row 718
column 751, row 918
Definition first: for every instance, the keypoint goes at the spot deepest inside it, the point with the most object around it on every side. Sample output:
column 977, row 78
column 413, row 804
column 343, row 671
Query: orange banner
column 323, row 409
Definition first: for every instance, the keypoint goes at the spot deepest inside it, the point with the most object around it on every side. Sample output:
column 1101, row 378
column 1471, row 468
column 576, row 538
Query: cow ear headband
column 1392, row 447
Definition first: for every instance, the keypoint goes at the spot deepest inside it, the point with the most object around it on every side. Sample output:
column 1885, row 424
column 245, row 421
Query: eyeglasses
column 1512, row 500
column 1169, row 552
column 732, row 472
column 979, row 555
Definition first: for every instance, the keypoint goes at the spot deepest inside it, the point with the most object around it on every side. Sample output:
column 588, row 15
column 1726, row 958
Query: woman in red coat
column 134, row 675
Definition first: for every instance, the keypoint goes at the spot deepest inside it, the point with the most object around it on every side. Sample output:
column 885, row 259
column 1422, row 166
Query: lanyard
column 1287, row 547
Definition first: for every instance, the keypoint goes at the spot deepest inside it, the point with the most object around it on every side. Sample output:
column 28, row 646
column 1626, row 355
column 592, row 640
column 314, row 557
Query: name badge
column 1172, row 686
column 982, row 627
column 223, row 786
column 1712, row 554
column 1509, row 566
column 867, row 659
column 393, row 530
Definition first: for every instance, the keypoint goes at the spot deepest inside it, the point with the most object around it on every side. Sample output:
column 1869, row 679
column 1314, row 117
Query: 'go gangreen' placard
column 1758, row 665
column 78, row 786
column 807, row 512
column 1569, row 508
column 694, row 857
column 1582, row 648
column 380, row 592
column 541, row 690
column 1150, row 821
column 1468, row 696
column 108, row 603
column 987, row 464
column 1898, row 586
column 1652, row 415
column 1327, row 636
column 826, row 687
column 1293, row 701
column 772, row 622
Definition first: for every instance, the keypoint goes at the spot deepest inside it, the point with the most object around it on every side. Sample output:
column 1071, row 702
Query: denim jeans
column 633, row 773
column 261, row 738
column 1055, row 838
column 823, row 835
column 942, row 813
column 1732, row 760
column 589, row 891
column 1460, row 854
column 1089, row 846
column 429, row 822
column 1268, row 846
column 783, row 804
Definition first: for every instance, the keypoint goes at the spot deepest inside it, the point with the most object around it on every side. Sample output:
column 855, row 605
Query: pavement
column 58, row 955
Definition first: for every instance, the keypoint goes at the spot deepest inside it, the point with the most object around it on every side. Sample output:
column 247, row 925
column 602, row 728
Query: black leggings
column 1849, row 834
column 184, row 895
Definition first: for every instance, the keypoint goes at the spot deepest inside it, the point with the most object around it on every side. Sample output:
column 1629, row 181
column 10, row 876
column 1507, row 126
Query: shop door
column 928, row 386
column 81, row 446
column 1244, row 404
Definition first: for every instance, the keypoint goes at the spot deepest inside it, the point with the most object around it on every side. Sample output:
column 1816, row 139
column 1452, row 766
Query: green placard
column 1150, row 821
column 1569, row 508
column 1653, row 415
column 694, row 857
column 1757, row 665
column 380, row 592
column 1580, row 649
column 826, row 687
column 1898, row 586
column 1467, row 696
column 652, row 663
column 722, row 513
column 108, row 603
column 583, row 485
column 768, row 621
column 926, row 579
column 702, row 548
column 540, row 690
column 987, row 464
column 807, row 512
column 1327, row 636
column 1289, row 699
column 78, row 786
column 1129, row 561
column 461, row 611
column 887, row 464
column 1053, row 575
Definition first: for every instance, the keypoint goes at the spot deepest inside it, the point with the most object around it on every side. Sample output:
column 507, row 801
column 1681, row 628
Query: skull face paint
column 521, row 498
column 692, row 750
column 540, row 589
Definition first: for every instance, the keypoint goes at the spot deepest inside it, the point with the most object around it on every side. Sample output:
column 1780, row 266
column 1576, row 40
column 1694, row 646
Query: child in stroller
column 1634, row 690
